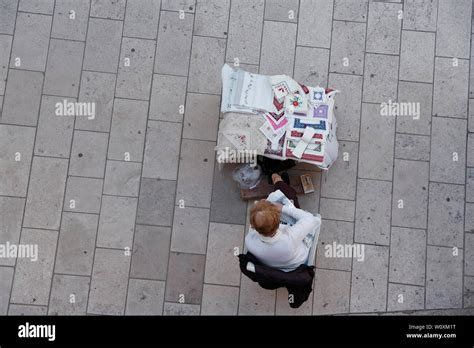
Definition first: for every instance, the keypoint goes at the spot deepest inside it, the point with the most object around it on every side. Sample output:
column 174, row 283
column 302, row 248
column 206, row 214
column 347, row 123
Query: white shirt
column 285, row 250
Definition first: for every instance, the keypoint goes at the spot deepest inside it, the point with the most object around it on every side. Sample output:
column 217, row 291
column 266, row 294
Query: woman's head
column 265, row 218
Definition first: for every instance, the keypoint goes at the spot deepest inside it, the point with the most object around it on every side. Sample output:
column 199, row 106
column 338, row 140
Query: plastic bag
column 247, row 176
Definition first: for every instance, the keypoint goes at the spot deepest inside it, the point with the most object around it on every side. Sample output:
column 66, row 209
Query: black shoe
column 286, row 178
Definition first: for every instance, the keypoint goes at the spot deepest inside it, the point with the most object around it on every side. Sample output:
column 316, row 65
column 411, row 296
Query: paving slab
column 421, row 93
column 5, row 49
column 111, row 9
column 255, row 300
column 173, row 46
column 122, row 178
column 212, row 18
column 222, row 266
column 6, row 277
column 282, row 10
column 15, row 141
column 219, row 300
column 190, row 228
column 453, row 29
column 337, row 209
column 351, row 10
column 167, row 98
column 331, row 292
column 347, row 47
column 83, row 195
column 380, row 78
column 407, row 256
column 31, row 284
column 417, row 56
column 185, row 278
column 181, row 309
column 26, row 310
column 10, row 225
column 420, row 15
column 156, row 202
column 469, row 255
column 383, row 28
column 469, row 218
column 76, row 243
column 443, row 278
column 282, row 306
column 339, row 232
column 412, row 147
column 405, row 297
column 8, row 16
column 468, row 292
column 182, row 5
column 88, row 154
column 150, row 252
column 469, row 185
column 145, row 297
column 45, row 193
column 369, row 281
column 201, row 117
column 70, row 19
column 314, row 25
column 470, row 150
column 311, row 66
column 373, row 212
column 109, row 282
column 69, row 295
column 410, row 194
column 141, row 19
column 45, row 6
column 117, row 222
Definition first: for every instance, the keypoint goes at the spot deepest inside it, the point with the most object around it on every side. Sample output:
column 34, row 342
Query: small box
column 307, row 183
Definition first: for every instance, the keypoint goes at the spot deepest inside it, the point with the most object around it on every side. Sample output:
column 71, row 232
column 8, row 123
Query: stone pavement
column 130, row 212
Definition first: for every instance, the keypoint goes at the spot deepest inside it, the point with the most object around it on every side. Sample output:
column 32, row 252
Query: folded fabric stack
column 297, row 121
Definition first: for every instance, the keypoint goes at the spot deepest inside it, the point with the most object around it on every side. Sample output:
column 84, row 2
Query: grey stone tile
column 372, row 223
column 407, row 256
column 470, row 150
column 195, row 173
column 76, row 244
column 127, row 134
column 16, row 310
column 247, row 67
column 212, row 18
column 331, row 292
column 311, row 66
column 109, row 282
column 314, row 27
column 167, row 96
column 219, row 300
column 202, row 117
column 10, row 225
column 8, row 16
column 380, row 78
column 470, row 185
column 417, row 56
column 420, row 15
column 31, row 284
column 222, row 265
column 405, row 297
column 181, row 309
column 226, row 204
column 88, row 154
column 454, row 79
column 122, row 178
column 70, row 19
column 369, row 281
column 103, row 45
column 448, row 140
column 54, row 132
column 163, row 142
column 339, row 232
column 22, row 108
column 278, row 53
column 376, row 144
column 347, row 105
column 45, row 193
column 446, row 215
column 453, row 29
column 245, row 31
column 14, row 140
column 351, row 10
column 83, row 195
column 145, row 297
column 156, row 202
column 341, row 182
column 207, row 57
column 141, row 19
column 5, row 49
column 173, row 46
column 383, row 28
column 282, row 306
column 337, row 209
column 6, row 277
column 150, row 252
column 255, row 300
column 117, row 222
column 410, row 194
column 182, row 5
column 468, row 291
column 69, row 295
column 471, row 78
column 190, row 227
column 185, row 278
column 443, row 278
column 469, row 218
column 135, row 69
column 409, row 92
column 469, row 255
column 111, row 9
column 35, row 6
column 31, row 41
column 97, row 88
column 347, row 49
column 412, row 147
column 282, row 10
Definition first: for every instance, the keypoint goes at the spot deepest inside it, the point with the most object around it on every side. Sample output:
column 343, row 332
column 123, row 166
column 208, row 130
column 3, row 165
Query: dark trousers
column 288, row 191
